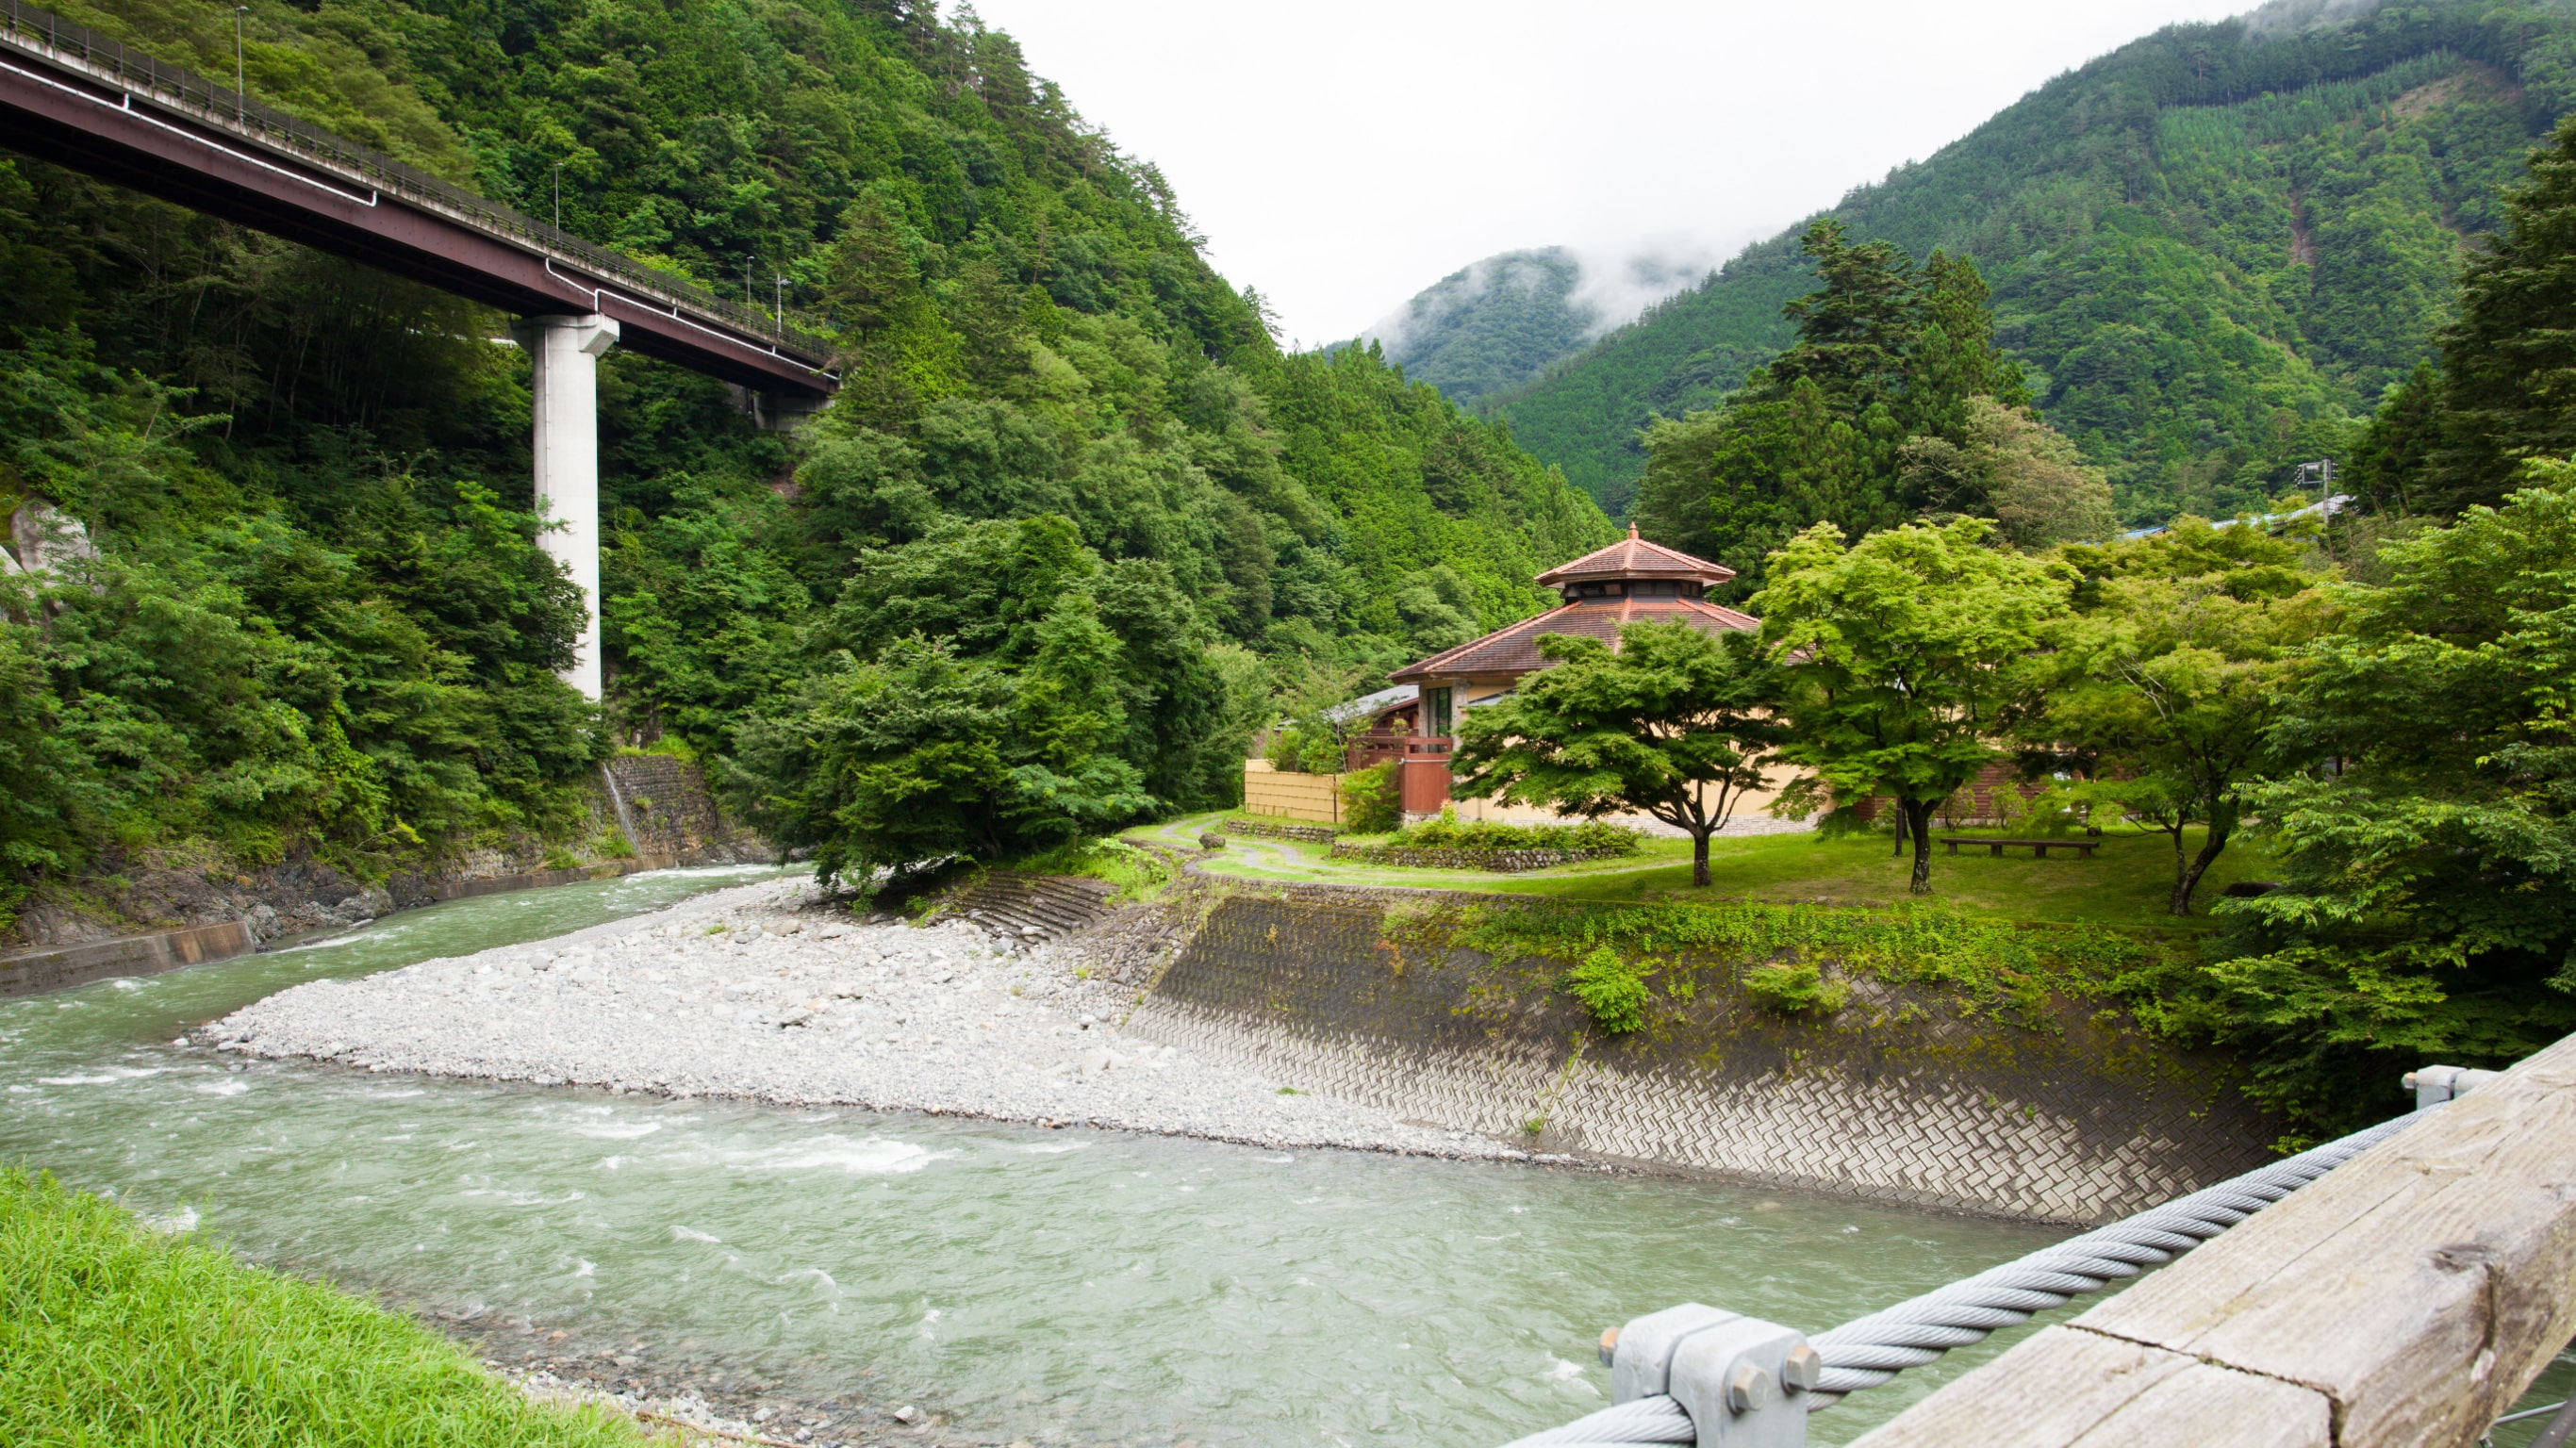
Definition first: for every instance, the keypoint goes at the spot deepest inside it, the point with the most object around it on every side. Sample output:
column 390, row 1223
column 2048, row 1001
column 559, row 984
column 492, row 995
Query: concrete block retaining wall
column 1902, row 1096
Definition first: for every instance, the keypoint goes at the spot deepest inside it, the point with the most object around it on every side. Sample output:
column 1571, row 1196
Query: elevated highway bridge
column 83, row 101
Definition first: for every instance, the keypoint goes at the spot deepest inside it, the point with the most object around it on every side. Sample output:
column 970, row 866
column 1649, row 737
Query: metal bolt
column 1609, row 1345
column 1748, row 1388
column 1804, row 1369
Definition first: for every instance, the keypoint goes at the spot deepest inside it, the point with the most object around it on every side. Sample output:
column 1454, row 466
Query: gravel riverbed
column 763, row 993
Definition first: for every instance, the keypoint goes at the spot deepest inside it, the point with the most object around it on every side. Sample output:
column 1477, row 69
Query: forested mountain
column 1497, row 325
column 1490, row 326
column 2209, row 250
column 1072, row 483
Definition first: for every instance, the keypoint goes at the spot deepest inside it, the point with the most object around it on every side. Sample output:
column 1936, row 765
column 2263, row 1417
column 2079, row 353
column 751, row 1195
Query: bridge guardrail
column 2294, row 1340
column 41, row 33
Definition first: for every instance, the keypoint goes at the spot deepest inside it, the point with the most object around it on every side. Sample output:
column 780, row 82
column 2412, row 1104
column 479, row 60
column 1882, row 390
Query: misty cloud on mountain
column 1500, row 322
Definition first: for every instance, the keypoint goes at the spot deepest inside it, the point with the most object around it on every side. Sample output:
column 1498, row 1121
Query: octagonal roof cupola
column 1630, row 581
column 1633, row 558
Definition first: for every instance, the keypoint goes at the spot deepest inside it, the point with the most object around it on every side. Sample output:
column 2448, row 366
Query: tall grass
column 112, row 1334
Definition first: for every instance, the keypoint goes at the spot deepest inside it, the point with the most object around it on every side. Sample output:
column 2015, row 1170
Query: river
column 1048, row 1286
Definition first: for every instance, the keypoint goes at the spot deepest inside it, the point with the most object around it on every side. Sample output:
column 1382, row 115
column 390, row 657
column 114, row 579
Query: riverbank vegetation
column 112, row 1332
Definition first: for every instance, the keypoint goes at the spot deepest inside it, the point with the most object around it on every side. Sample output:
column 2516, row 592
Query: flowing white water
column 1053, row 1286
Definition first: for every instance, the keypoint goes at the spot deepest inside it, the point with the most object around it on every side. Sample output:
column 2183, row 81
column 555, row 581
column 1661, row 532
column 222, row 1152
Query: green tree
column 1674, row 723
column 922, row 756
column 2429, row 911
column 1896, row 654
column 1855, row 329
column 2011, row 467
column 1889, row 361
column 2182, row 652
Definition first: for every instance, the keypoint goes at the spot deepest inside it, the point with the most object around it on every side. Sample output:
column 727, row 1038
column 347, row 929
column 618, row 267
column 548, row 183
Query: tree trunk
column 1918, row 819
column 1699, row 859
column 2222, row 823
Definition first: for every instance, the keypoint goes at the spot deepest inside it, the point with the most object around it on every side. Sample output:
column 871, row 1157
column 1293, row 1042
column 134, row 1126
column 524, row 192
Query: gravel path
column 756, row 992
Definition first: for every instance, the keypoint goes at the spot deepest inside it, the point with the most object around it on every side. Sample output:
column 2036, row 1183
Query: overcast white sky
column 1341, row 155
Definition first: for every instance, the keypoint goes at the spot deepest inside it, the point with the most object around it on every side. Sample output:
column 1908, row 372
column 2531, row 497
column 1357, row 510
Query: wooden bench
column 2039, row 848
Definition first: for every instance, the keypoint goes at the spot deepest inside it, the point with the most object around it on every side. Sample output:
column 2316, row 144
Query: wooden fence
column 1316, row 797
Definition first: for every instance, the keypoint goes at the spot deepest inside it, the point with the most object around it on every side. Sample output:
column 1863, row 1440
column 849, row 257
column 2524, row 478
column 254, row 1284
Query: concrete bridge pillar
column 566, row 352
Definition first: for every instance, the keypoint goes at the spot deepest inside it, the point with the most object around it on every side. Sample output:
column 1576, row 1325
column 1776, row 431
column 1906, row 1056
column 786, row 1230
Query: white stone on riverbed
column 744, row 993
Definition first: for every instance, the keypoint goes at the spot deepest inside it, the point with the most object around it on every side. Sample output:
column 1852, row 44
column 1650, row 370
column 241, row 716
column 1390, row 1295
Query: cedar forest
column 1078, row 527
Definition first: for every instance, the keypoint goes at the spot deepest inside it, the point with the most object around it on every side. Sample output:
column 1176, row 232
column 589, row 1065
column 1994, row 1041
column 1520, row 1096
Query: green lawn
column 114, row 1334
column 2125, row 883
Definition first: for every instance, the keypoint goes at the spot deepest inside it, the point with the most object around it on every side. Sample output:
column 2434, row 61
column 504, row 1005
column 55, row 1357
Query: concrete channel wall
column 33, row 972
column 1900, row 1096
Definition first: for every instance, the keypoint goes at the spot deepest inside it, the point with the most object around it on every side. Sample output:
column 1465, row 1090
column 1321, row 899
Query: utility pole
column 241, row 88
column 559, row 196
column 781, row 304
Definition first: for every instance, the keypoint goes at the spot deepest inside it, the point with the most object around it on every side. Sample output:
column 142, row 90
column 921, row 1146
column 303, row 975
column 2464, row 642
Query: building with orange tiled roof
column 1630, row 581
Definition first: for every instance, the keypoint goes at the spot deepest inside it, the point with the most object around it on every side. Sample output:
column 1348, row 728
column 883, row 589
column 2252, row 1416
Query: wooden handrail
column 2406, row 1299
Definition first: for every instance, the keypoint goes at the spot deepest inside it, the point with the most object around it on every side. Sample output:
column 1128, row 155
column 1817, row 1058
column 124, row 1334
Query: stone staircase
column 1030, row 907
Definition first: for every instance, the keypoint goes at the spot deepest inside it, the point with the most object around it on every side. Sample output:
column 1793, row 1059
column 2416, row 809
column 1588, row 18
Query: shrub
column 1613, row 989
column 1449, row 833
column 1139, row 874
column 1795, row 989
column 1370, row 802
column 1306, row 751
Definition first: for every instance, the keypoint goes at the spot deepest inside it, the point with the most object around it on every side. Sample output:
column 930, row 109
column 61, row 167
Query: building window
column 1439, row 714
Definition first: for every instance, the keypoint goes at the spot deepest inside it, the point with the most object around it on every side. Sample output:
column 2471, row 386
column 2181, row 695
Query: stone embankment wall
column 1271, row 829
column 1902, row 1095
column 1504, row 862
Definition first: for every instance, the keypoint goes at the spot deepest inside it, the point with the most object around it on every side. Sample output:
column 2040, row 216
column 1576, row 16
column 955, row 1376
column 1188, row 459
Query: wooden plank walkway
column 2403, row 1301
